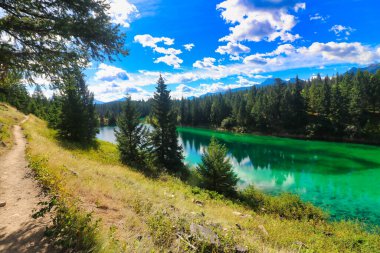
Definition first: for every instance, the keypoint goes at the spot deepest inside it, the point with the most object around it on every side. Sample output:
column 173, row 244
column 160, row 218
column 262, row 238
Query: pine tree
column 216, row 171
column 78, row 121
column 130, row 135
column 168, row 153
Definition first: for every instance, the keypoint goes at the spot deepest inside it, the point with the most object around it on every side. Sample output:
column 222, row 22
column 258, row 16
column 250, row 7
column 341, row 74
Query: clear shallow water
column 343, row 179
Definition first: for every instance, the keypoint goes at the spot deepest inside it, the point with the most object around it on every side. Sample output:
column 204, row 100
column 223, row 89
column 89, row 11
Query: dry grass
column 9, row 116
column 140, row 214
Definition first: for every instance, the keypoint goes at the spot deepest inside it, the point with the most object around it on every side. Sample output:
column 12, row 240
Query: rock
column 240, row 249
column 2, row 204
column 198, row 202
column 263, row 230
column 242, row 215
column 204, row 234
column 103, row 207
column 2, row 144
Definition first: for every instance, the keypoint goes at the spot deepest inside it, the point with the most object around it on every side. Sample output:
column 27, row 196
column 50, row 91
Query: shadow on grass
column 73, row 145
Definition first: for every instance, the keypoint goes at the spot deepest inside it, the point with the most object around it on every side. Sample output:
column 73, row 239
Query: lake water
column 343, row 179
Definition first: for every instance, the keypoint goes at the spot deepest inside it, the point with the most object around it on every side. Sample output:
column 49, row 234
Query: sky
column 202, row 46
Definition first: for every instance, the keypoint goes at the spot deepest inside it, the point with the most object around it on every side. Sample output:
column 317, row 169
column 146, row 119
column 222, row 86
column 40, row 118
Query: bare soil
column 19, row 232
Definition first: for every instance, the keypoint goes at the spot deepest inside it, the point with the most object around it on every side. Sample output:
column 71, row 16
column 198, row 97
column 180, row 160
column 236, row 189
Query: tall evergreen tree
column 216, row 170
column 78, row 120
column 130, row 135
column 168, row 153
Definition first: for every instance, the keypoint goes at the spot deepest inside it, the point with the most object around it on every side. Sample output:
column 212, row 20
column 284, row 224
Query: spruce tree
column 216, row 170
column 168, row 153
column 130, row 135
column 78, row 121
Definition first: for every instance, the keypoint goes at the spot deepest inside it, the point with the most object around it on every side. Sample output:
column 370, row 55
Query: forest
column 341, row 107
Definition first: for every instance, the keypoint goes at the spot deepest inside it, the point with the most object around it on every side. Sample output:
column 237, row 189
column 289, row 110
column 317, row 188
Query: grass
column 134, row 213
column 9, row 116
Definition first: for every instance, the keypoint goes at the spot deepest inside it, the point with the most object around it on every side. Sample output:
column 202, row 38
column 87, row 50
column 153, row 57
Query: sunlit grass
column 141, row 214
column 9, row 116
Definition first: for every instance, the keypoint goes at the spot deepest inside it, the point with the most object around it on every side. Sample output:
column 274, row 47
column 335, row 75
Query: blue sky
column 202, row 46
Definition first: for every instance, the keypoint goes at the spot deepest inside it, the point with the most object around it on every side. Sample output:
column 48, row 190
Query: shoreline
column 294, row 136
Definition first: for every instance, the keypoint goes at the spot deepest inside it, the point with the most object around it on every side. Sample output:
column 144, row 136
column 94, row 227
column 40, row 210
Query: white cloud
column 110, row 73
column 340, row 29
column 188, row 47
column 171, row 60
column 287, row 57
column 250, row 23
column 207, row 62
column 284, row 57
column 122, row 12
column 147, row 40
column 299, row 6
column 233, row 49
column 318, row 16
column 170, row 54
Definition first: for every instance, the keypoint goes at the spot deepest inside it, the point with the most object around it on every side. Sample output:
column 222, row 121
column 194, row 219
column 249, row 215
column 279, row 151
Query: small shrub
column 286, row 205
column 162, row 230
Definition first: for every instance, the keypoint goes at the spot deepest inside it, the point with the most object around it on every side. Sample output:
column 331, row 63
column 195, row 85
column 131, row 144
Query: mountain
column 373, row 68
column 98, row 102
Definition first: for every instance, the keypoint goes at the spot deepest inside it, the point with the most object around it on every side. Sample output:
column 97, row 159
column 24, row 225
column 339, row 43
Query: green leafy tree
column 131, row 135
column 55, row 36
column 216, row 170
column 168, row 153
column 78, row 121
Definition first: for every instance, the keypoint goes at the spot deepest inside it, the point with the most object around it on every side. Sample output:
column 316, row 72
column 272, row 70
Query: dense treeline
column 109, row 112
column 343, row 106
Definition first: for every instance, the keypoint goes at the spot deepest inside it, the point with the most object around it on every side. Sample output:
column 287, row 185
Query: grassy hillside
column 140, row 214
column 9, row 116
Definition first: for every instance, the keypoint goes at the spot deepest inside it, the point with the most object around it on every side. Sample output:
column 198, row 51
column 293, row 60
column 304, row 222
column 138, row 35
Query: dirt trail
column 19, row 232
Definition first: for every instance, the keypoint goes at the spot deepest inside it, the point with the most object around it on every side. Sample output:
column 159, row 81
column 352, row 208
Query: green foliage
column 167, row 151
column 216, row 170
column 14, row 92
column 286, row 205
column 131, row 136
column 78, row 121
column 56, row 36
column 161, row 229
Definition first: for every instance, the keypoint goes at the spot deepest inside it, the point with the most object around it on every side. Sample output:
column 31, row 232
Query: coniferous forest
column 341, row 107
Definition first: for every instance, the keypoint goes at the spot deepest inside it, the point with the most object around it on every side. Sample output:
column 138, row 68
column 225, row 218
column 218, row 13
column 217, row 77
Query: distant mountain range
column 373, row 68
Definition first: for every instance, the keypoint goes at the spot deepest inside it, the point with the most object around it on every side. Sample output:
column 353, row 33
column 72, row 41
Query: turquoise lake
column 343, row 179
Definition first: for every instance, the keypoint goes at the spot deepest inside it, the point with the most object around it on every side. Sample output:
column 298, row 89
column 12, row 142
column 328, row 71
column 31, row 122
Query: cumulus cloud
column 284, row 57
column 186, row 91
column 317, row 54
column 233, row 49
column 170, row 54
column 342, row 30
column 207, row 62
column 252, row 23
column 110, row 73
column 147, row 40
column 188, row 47
column 171, row 60
column 122, row 12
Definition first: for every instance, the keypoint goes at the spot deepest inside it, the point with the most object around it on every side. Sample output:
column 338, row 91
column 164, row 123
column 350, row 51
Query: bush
column 285, row 205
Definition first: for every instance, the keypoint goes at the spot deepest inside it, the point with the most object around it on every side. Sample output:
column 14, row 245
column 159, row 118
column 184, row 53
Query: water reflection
column 345, row 189
column 340, row 178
